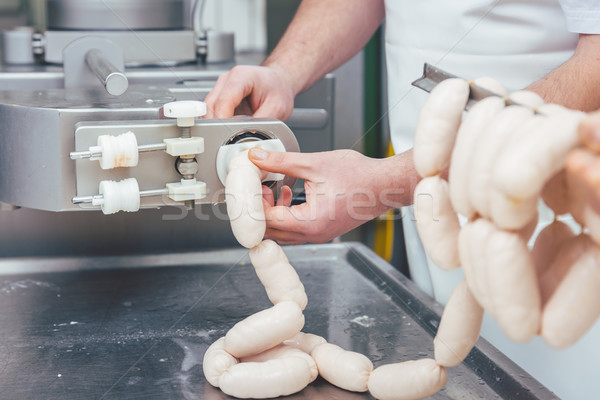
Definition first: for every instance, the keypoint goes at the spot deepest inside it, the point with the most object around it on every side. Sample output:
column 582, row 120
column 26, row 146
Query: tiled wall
column 246, row 18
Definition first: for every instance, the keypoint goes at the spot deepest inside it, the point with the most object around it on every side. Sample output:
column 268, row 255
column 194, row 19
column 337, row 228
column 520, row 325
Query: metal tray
column 137, row 327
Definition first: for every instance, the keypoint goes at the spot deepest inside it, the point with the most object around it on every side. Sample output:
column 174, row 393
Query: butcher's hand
column 344, row 189
column 260, row 91
column 584, row 162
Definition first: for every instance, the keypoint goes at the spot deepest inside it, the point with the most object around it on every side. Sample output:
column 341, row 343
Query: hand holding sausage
column 344, row 189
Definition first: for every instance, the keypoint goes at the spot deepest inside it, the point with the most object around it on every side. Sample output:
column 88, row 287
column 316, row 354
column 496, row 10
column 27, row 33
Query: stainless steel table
column 137, row 327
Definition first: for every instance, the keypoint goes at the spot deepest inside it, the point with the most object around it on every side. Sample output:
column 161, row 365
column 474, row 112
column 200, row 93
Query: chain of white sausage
column 497, row 175
column 266, row 355
column 250, row 363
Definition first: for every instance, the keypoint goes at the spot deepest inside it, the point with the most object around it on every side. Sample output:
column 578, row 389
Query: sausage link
column 264, row 380
column 284, row 350
column 409, row 380
column 305, row 341
column 437, row 126
column 345, row 369
column 524, row 166
column 436, row 221
column 459, row 327
column 243, row 196
column 513, row 285
column 490, row 142
column 264, row 330
column 217, row 361
column 460, row 170
column 277, row 275
column 575, row 304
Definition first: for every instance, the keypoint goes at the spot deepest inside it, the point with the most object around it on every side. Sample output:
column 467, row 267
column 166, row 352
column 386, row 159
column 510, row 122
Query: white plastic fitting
column 117, row 151
column 118, row 196
column 227, row 152
column 187, row 189
column 183, row 146
column 185, row 111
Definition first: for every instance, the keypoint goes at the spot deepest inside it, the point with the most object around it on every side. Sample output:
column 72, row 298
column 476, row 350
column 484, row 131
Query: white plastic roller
column 119, row 196
column 117, row 151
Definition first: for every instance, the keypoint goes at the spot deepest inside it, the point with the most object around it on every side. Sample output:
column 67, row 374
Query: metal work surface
column 137, row 327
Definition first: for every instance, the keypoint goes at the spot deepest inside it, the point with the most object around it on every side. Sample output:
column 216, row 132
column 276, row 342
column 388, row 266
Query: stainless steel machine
column 56, row 99
column 124, row 305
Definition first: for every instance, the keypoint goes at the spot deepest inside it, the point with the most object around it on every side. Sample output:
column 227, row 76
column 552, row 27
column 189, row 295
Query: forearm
column 397, row 181
column 322, row 36
column 576, row 83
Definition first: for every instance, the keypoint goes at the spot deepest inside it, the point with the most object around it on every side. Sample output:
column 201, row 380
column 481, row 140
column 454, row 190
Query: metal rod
column 144, row 193
column 77, row 155
column 115, row 82
column 433, row 75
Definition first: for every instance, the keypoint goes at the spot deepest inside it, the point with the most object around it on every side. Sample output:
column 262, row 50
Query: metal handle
column 433, row 75
column 308, row 118
column 115, row 82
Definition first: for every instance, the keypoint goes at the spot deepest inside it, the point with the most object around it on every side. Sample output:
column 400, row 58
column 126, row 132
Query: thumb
column 297, row 165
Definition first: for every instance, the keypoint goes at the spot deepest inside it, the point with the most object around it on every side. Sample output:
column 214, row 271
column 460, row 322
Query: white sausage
column 548, row 243
column 526, row 98
column 282, row 351
column 555, row 193
column 345, row 369
column 262, row 380
column 275, row 272
column 409, row 380
column 551, row 108
column 437, row 126
column 577, row 189
column 216, row 362
column 264, row 330
column 523, row 167
column 554, row 273
column 592, row 222
column 512, row 214
column 575, row 304
column 492, row 85
column 513, row 285
column 528, row 230
column 474, row 123
column 490, row 141
column 436, row 221
column 459, row 327
column 471, row 244
column 243, row 195
column 305, row 341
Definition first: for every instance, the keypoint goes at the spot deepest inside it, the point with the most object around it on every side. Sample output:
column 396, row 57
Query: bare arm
column 576, row 83
column 322, row 36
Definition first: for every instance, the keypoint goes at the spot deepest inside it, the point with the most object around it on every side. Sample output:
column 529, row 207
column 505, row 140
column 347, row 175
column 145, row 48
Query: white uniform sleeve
column 583, row 16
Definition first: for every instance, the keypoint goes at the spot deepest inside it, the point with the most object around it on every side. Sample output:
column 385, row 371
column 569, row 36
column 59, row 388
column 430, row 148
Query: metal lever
column 115, row 81
column 433, row 75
